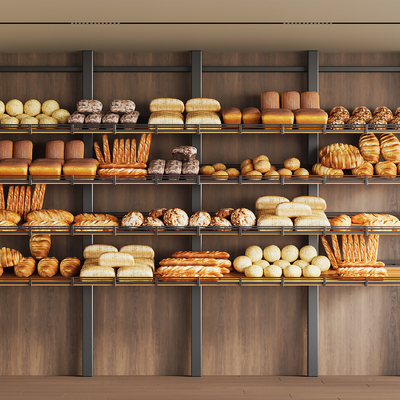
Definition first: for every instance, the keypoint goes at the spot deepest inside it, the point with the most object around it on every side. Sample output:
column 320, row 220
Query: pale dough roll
column 98, row 272
column 262, row 263
column 273, row 271
column 262, row 166
column 145, row 261
column 314, row 202
column 9, row 121
column 245, row 162
column 138, row 251
column 282, row 263
column 272, row 253
column 14, row 107
column 32, row 107
column 301, row 172
column 255, row 253
column 22, row 116
column 48, row 121
column 49, row 106
column 234, row 171
column 241, row 263
column 284, row 171
column 116, row 260
column 311, row 271
column 167, row 104
column 135, row 272
column 29, row 121
column 321, row 262
column 307, row 253
column 254, row 175
column 261, row 157
column 292, row 164
column 254, row 271
column 2, row 107
column 61, row 115
column 290, row 253
column 219, row 167
column 292, row 271
column 202, row 104
column 41, row 116
column 301, row 263
column 4, row 116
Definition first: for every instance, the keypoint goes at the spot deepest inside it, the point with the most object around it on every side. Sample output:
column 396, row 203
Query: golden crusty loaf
column 251, row 115
column 50, row 215
column 269, row 100
column 39, row 246
column 374, row 218
column 369, row 147
column 10, row 257
column 200, row 254
column 306, row 116
column 202, row 117
column 319, row 169
column 344, row 158
column 364, row 169
column 166, row 117
column 385, row 168
column 94, row 217
column 362, row 272
column 205, row 262
column 390, row 147
column 70, row 266
column 232, row 115
column 48, row 267
column 96, row 250
column 277, row 116
column 25, row 268
column 341, row 220
column 10, row 216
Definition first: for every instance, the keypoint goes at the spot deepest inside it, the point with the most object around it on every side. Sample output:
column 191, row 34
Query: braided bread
column 25, row 268
column 390, row 147
column 366, row 169
column 386, row 168
column 369, row 147
column 319, row 169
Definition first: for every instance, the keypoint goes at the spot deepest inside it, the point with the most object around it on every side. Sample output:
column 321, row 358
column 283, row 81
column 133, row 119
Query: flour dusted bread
column 269, row 100
column 167, row 104
column 274, row 220
column 314, row 202
column 138, row 251
column 202, row 104
column 96, row 250
column 135, row 272
column 166, row 117
column 97, row 272
column 269, row 202
column 277, row 116
column 115, row 260
column 292, row 210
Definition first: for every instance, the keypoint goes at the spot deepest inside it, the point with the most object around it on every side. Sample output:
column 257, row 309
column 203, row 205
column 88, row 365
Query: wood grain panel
column 41, row 331
column 244, row 89
column 254, row 331
column 359, row 331
column 142, row 59
column 73, row 59
column 359, row 59
column 142, row 331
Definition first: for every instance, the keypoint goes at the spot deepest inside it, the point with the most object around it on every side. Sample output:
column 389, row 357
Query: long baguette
column 10, row 198
column 363, row 249
column 345, row 249
column 336, row 249
column 328, row 252
column 15, row 199
column 2, row 202
column 200, row 254
column 121, row 158
column 133, row 152
column 209, row 262
column 106, row 149
column 20, row 208
column 98, row 153
column 27, row 203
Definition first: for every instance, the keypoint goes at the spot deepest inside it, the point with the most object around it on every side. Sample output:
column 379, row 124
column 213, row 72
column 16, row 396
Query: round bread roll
column 262, row 263
column 262, row 166
column 281, row 263
column 241, row 263
column 21, row 116
column 301, row 172
column 133, row 218
column 157, row 212
column 232, row 171
column 290, row 253
column 246, row 162
column 49, row 106
column 207, row 170
column 254, row 175
column 219, row 167
column 220, row 221
column 321, row 262
column 255, row 253
column 292, row 164
column 273, row 168
column 271, row 174
column 311, row 271
column 2, row 107
column 200, row 218
column 224, row 212
column 29, row 121
column 247, row 168
column 14, row 107
column 301, row 263
column 4, row 116
column 32, row 107
column 254, row 271
column 48, row 121
column 307, row 253
column 243, row 217
column 273, row 271
column 261, row 157
column 292, row 271
column 272, row 253
column 284, row 171
column 41, row 116
column 61, row 115
column 220, row 175
column 175, row 217
column 152, row 221
column 9, row 121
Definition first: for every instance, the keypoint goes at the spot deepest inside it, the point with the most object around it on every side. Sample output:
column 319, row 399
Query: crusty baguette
column 94, row 217
column 106, row 149
column 97, row 272
column 370, row 264
column 51, row 215
column 336, row 249
column 362, row 272
column 98, row 153
column 200, row 254
column 10, row 198
column 10, row 216
column 328, row 252
column 192, row 271
column 207, row 262
column 2, row 201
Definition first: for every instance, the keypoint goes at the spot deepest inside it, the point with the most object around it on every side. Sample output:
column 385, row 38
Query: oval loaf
column 314, row 202
column 116, row 260
column 96, row 250
column 292, row 210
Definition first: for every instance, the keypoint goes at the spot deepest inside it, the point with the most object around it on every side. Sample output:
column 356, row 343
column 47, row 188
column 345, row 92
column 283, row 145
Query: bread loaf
column 344, row 157
column 277, row 116
column 145, row 261
column 192, row 271
column 25, row 268
column 390, row 147
column 10, row 216
column 167, row 104
column 362, row 272
column 70, row 266
column 48, row 267
column 51, row 214
column 269, row 202
column 202, row 104
column 39, row 246
column 314, row 202
column 166, row 117
column 135, row 272
column 97, row 272
column 269, row 100
column 115, row 260
column 55, row 149
column 15, row 168
column 309, row 100
column 46, row 167
column 200, row 254
column 96, row 250
column 292, row 210
column 6, row 149
column 243, row 217
column 274, row 220
column 94, row 217
column 251, row 115
column 138, row 251
column 341, row 220
column 23, row 149
column 291, row 100
column 232, row 115
column 312, row 220
column 310, row 116
column 319, row 169
column 209, row 262
column 202, row 117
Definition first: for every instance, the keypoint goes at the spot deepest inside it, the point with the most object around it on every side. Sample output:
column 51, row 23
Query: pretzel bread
column 98, row 153
column 133, row 151
column 2, row 202
column 27, row 203
column 192, row 271
column 336, row 249
column 208, row 262
column 20, row 208
column 200, row 254
column 140, row 153
column 25, row 268
column 48, row 267
column 70, row 266
column 121, row 151
column 328, row 252
column 106, row 149
column 362, row 272
column 115, row 151
column 51, row 214
column 10, row 198
column 94, row 217
column 127, row 152
column 15, row 199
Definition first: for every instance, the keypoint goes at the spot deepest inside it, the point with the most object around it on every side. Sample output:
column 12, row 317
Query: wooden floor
column 209, row 387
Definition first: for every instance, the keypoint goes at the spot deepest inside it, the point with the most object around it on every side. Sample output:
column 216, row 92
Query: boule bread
column 240, row 263
column 273, row 271
column 272, row 253
column 254, row 271
column 290, row 253
column 255, row 253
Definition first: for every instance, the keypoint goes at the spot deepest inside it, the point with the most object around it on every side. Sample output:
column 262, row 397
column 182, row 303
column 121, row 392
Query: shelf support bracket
column 312, row 330
column 87, row 328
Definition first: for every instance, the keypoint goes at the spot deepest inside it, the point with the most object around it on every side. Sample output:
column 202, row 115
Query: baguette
column 106, row 149
column 27, row 203
column 376, row 219
column 51, row 215
column 16, row 199
column 70, row 266
column 329, row 253
column 98, row 153
column 200, row 254
column 48, row 267
column 39, row 246
column 138, row 251
column 362, row 272
column 94, row 217
column 207, row 262
column 48, row 225
column 96, row 250
column 116, row 260
column 25, row 268
column 133, row 151
column 192, row 271
column 10, row 198
column 367, row 264
column 121, row 149
column 2, row 201
column 20, row 209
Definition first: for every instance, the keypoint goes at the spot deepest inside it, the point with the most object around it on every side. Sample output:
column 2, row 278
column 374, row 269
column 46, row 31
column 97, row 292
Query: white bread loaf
column 292, row 210
column 269, row 202
column 138, row 251
column 202, row 104
column 98, row 272
column 96, row 250
column 274, row 220
column 312, row 220
column 115, row 260
column 135, row 272
column 315, row 203
column 145, row 261
column 167, row 104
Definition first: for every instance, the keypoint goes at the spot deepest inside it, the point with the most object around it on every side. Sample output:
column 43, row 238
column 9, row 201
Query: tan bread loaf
column 39, row 246
column 312, row 220
column 167, row 104
column 97, row 272
column 116, row 260
column 369, row 147
column 138, row 251
column 135, row 272
column 314, row 202
column 274, row 220
column 269, row 202
column 96, row 250
column 202, row 104
column 145, row 261
column 292, row 210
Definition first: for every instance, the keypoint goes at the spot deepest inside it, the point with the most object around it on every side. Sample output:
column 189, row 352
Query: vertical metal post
column 87, row 206
column 313, row 190
column 312, row 330
column 87, row 327
column 197, row 245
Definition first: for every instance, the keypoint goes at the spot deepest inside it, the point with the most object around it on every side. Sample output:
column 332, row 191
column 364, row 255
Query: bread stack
column 272, row 262
column 195, row 264
column 15, row 158
column 132, row 261
column 166, row 111
column 277, row 211
column 50, row 219
column 202, row 111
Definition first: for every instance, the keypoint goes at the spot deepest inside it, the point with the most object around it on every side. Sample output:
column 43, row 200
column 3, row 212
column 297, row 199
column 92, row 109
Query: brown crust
column 27, row 204
column 25, row 268
column 9, row 215
column 336, row 249
column 21, row 201
column 122, row 171
column 106, row 149
column 10, row 257
column 201, row 254
column 345, row 249
column 48, row 267
column 209, row 262
column 371, row 264
column 52, row 215
column 15, row 199
column 140, row 153
column 362, row 272
column 10, row 197
column 328, row 252
column 157, row 212
column 133, row 151
column 102, row 222
column 127, row 151
column 2, row 202
column 115, row 151
column 121, row 150
column 94, row 217
column 224, row 212
column 39, row 246
column 147, row 148
column 98, row 153
column 70, row 266
column 192, row 271
column 120, row 165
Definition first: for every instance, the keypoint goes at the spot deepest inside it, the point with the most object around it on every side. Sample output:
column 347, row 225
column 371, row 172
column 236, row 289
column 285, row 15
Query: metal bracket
column 240, row 129
column 282, row 281
column 282, row 129
column 366, row 281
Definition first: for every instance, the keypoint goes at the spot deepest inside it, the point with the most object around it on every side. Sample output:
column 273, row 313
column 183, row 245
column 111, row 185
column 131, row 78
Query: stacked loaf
column 32, row 113
column 166, row 111
column 277, row 211
column 249, row 115
column 202, row 111
column 272, row 262
column 15, row 158
column 131, row 261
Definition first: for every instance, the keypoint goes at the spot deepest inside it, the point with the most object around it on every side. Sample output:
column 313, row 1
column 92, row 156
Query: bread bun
column 219, row 167
column 247, row 168
column 301, row 172
column 2, row 107
column 292, row 164
column 262, row 166
column 284, row 171
column 273, row 271
column 272, row 253
column 206, row 170
column 61, row 115
column 14, row 107
column 292, row 271
column 232, row 171
column 272, row 174
column 301, row 263
column 49, row 106
column 9, row 121
column 241, row 263
column 48, row 121
column 21, row 116
column 246, row 162
column 254, row 271
column 220, row 175
column 321, row 262
column 29, row 121
column 254, row 175
column 255, row 253
column 290, row 253
column 282, row 263
column 311, row 271
column 261, row 157
column 262, row 263
column 32, row 107
column 307, row 253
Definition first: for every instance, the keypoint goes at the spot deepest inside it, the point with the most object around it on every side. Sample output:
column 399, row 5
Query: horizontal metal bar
column 141, row 69
column 254, row 69
column 359, row 69
column 40, row 69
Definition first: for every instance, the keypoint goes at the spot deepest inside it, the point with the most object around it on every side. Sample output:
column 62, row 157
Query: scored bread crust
column 200, row 254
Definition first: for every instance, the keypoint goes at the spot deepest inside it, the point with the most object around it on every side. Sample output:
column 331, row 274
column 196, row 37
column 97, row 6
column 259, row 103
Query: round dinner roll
column 49, row 106
column 4, row 116
column 261, row 157
column 254, row 175
column 2, row 107
column 232, row 171
column 14, row 107
column 32, row 107
column 29, row 121
column 290, row 253
column 207, row 170
column 301, row 172
column 21, row 116
column 262, row 263
column 246, row 162
column 307, row 253
column 271, row 174
column 247, row 168
column 221, row 175
column 311, row 271
column 61, row 115
column 48, row 121
column 219, row 167
column 273, row 168
column 273, row 271
column 9, row 121
column 281, row 263
column 41, row 116
column 301, row 263
column 254, row 271
column 284, row 171
column 240, row 263
column 262, row 166
column 322, row 262
column 272, row 253
column 255, row 253
column 292, row 163
column 292, row 271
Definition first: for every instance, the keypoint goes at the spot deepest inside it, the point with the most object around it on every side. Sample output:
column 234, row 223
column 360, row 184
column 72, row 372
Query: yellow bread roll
column 116, row 260
column 255, row 253
column 271, row 174
column 262, row 263
column 29, row 121
column 61, row 115
column 290, row 253
column 321, row 262
column 281, row 263
column 2, row 107
column 49, row 106
column 254, row 271
column 9, row 121
column 247, row 168
column 48, row 121
column 96, row 250
column 292, row 164
column 246, row 162
column 206, row 170
column 138, row 251
column 273, row 271
column 22, row 116
column 262, row 166
column 292, row 271
column 301, row 172
column 220, row 175
column 32, row 107
column 14, row 107
column 272, row 253
column 311, row 271
column 301, row 263
column 284, row 171
column 240, row 263
column 292, row 210
column 307, row 253
column 261, row 157
column 232, row 171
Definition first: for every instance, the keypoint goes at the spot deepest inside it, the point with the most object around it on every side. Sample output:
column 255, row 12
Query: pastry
column 320, row 169
column 336, row 122
column 70, row 266
column 47, row 267
column 243, row 217
column 356, row 122
column 341, row 220
column 175, row 217
column 385, row 168
column 390, row 147
column 25, row 268
column 9, row 257
column 39, row 246
column 133, row 218
column 369, row 147
column 366, row 169
column 200, row 218
column 378, row 122
column 383, row 112
column 10, row 216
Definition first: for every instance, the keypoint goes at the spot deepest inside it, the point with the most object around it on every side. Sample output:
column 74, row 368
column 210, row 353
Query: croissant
column 343, row 159
column 25, row 268
column 10, row 257
column 39, row 246
column 390, row 147
column 53, row 215
column 335, row 146
column 364, row 169
column 319, row 169
column 70, row 266
column 48, row 267
column 385, row 168
column 369, row 147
